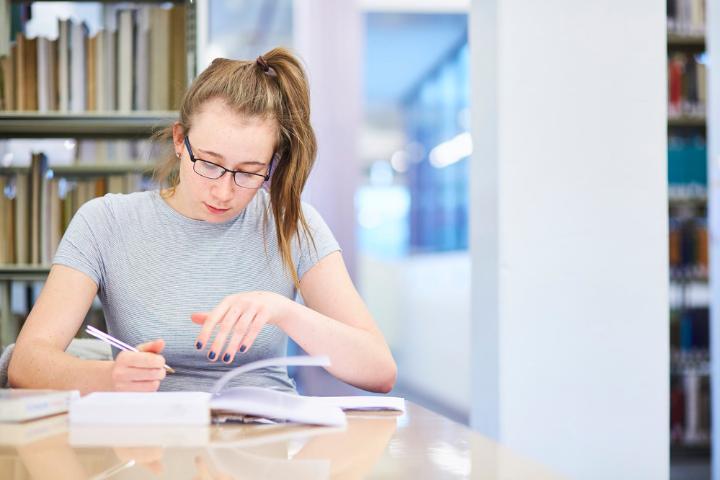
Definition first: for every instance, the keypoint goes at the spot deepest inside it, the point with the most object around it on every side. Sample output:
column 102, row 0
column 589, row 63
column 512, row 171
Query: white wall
column 328, row 38
column 422, row 305
column 569, row 233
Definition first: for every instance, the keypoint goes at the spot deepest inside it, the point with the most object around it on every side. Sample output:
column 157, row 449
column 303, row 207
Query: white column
column 713, row 130
column 569, row 233
column 328, row 37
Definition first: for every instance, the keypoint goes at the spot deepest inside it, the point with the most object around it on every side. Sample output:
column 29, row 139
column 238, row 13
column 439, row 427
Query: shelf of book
column 689, row 291
column 24, row 273
column 82, row 125
column 88, row 170
column 110, row 89
column 9, row 327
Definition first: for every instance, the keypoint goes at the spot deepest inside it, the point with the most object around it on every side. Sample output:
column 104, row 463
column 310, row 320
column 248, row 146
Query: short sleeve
column 81, row 247
column 321, row 244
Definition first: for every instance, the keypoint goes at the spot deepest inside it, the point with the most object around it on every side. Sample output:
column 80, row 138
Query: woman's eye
column 209, row 166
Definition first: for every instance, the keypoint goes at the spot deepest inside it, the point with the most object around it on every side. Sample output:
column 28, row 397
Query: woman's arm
column 336, row 322
column 39, row 359
column 333, row 322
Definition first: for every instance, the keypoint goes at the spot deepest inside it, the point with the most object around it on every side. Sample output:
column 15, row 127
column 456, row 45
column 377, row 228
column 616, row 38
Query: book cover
column 38, row 170
column 91, row 72
column 55, row 223
column 31, row 74
column 20, row 71
column 78, row 58
column 53, row 75
column 125, row 49
column 159, row 59
column 141, row 57
column 110, row 68
column 44, row 76
column 100, row 72
column 18, row 405
column 63, row 66
column 7, row 70
column 22, row 214
column 178, row 60
column 6, row 253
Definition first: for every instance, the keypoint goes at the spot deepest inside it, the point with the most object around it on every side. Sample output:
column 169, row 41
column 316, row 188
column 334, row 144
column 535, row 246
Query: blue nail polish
column 243, row 348
column 226, row 357
column 198, row 345
column 212, row 355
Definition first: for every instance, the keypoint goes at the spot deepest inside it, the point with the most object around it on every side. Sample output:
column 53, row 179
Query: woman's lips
column 215, row 211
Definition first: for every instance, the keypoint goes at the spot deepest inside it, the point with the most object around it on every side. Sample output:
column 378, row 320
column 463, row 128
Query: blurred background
column 391, row 93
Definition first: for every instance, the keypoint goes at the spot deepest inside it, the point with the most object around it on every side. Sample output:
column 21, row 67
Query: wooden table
column 418, row 444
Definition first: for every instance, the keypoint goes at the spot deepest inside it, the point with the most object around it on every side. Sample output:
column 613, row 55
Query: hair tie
column 263, row 64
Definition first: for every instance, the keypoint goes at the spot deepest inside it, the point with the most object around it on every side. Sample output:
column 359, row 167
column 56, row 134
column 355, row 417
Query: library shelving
column 82, row 125
column 77, row 170
column 688, row 256
column 684, row 121
column 675, row 40
column 100, row 117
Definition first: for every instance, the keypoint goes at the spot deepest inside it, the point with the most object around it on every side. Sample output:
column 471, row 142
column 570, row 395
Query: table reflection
column 417, row 444
column 214, row 452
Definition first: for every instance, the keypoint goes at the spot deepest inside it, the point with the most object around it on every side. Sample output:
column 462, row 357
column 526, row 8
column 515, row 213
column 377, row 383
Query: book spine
column 64, row 65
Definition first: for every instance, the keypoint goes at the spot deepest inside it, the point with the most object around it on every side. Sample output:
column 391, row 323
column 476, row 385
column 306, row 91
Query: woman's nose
column 224, row 187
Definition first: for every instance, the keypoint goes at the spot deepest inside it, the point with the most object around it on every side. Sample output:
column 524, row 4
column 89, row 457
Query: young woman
column 206, row 269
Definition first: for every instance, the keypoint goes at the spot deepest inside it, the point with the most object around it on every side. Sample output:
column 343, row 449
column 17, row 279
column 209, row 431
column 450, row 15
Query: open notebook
column 197, row 408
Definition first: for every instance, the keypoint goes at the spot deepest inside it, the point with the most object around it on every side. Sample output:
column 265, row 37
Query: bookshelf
column 690, row 296
column 675, row 40
column 93, row 123
column 682, row 121
column 23, row 272
column 82, row 125
column 77, row 170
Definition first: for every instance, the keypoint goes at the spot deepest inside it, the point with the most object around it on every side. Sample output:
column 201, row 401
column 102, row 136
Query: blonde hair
column 272, row 87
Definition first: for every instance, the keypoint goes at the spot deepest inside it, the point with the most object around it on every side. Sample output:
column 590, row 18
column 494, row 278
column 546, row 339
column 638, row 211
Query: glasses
column 214, row 171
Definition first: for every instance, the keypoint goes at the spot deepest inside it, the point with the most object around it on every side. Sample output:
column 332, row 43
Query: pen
column 109, row 339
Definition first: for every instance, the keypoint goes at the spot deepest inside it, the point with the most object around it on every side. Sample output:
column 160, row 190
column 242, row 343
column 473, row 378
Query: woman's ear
column 178, row 136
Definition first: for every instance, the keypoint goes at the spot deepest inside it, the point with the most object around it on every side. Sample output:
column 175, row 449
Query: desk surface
column 417, row 444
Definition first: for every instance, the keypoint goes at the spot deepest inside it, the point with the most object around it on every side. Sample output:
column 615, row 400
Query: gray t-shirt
column 154, row 267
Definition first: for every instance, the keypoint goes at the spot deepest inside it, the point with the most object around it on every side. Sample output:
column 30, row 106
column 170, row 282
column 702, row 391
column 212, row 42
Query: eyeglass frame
column 193, row 159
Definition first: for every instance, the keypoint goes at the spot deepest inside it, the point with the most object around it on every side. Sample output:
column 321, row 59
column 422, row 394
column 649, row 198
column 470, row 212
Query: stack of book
column 687, row 160
column 690, row 382
column 686, row 17
column 36, row 207
column 687, row 86
column 688, row 248
column 139, row 66
column 19, row 405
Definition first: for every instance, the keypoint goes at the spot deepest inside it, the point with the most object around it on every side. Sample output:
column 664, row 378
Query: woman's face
column 230, row 140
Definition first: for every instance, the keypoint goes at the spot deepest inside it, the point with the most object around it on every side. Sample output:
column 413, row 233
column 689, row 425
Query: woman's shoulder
column 111, row 205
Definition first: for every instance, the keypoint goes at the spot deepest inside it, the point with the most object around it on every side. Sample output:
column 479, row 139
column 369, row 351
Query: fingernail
column 226, row 357
column 212, row 355
column 198, row 345
column 243, row 348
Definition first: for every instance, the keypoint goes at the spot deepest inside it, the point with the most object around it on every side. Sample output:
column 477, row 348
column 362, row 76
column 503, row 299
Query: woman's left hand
column 241, row 317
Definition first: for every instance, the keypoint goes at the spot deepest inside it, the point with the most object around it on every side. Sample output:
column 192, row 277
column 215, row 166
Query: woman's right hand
column 139, row 371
